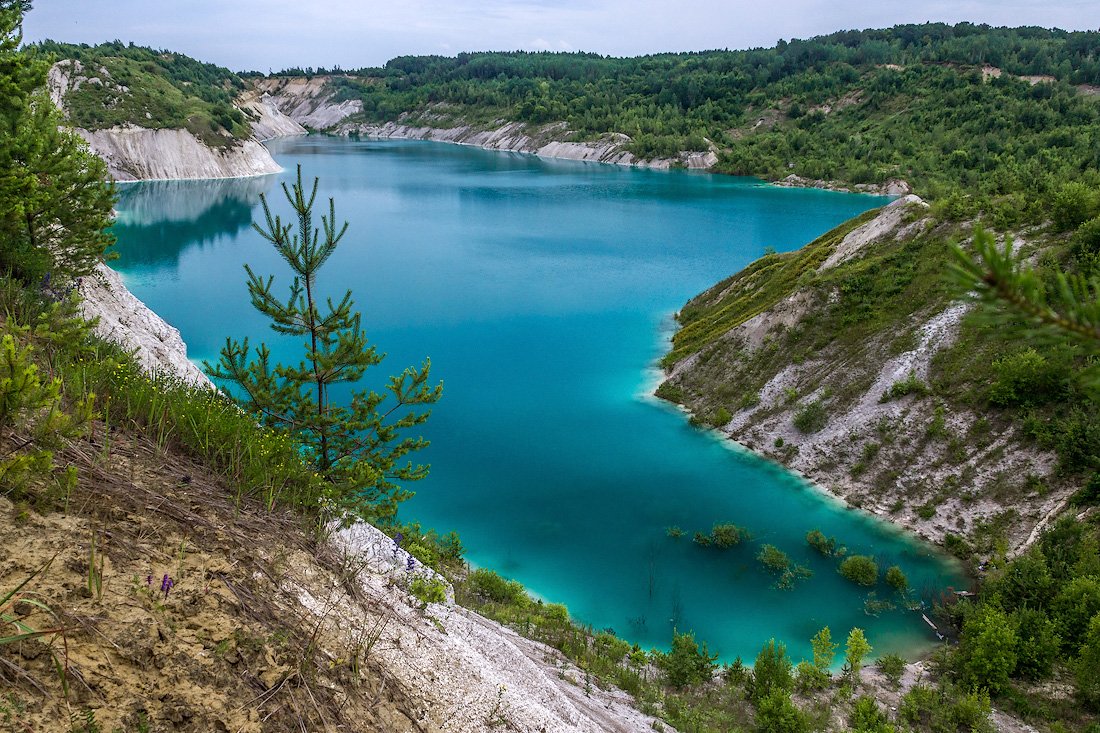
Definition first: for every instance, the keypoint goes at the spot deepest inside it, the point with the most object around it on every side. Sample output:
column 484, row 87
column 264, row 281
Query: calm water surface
column 542, row 291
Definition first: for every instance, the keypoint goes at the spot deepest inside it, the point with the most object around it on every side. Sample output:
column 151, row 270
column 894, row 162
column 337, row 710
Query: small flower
column 397, row 538
column 166, row 585
column 149, row 580
column 410, row 564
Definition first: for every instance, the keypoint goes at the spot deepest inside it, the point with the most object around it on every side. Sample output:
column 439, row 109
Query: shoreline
column 653, row 375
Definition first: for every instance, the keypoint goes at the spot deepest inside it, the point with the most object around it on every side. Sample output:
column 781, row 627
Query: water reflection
column 160, row 220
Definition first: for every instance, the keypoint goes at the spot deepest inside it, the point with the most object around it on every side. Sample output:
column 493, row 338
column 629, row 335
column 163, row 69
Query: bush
column 772, row 671
column 1074, row 204
column 725, row 536
column 946, row 709
column 910, row 385
column 428, row 590
column 1087, row 666
column 721, row 417
column 860, row 569
column 778, row 563
column 777, row 714
column 816, row 539
column 895, row 578
column 987, row 650
column 1028, row 378
column 811, row 417
column 686, row 663
column 492, row 587
column 1038, row 644
column 1074, row 608
column 892, row 666
column 1086, row 240
column 866, row 717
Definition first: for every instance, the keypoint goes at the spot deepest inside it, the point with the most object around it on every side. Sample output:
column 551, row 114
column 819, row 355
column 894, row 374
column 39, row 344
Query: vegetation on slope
column 911, row 101
column 69, row 460
column 128, row 84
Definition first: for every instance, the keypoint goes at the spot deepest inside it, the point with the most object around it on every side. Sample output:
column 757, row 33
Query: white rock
column 128, row 322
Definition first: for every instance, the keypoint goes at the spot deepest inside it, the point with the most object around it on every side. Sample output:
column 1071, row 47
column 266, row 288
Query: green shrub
column 1073, row 609
column 892, row 666
column 811, row 417
column 987, row 650
column 686, row 663
column 777, row 714
column 866, row 717
column 779, row 564
column 860, row 569
column 724, row 536
column 1073, row 204
column 909, row 385
column 824, row 545
column 428, row 590
column 1086, row 240
column 772, row 671
column 1038, row 643
column 896, row 579
column 492, row 587
column 946, row 709
column 1028, row 378
column 1087, row 666
column 721, row 417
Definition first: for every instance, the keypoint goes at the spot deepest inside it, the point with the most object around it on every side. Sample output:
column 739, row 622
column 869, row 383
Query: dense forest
column 1000, row 112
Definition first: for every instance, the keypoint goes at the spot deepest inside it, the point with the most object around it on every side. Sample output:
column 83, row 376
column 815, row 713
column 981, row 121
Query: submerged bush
column 861, row 569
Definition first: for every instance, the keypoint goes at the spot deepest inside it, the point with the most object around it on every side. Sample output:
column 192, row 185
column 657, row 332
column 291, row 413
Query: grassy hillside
column 127, row 84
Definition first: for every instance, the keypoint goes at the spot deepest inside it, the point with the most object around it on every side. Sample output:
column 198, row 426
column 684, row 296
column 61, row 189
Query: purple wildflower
column 149, row 580
column 397, row 538
column 166, row 585
column 410, row 564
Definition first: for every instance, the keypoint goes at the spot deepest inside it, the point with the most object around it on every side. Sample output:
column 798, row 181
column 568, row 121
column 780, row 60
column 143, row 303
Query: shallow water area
column 541, row 289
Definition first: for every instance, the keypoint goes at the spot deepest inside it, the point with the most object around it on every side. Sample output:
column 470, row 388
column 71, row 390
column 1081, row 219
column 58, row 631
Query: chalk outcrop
column 268, row 121
column 128, row 322
column 545, row 141
column 308, row 101
column 884, row 444
column 138, row 154
column 469, row 673
column 891, row 187
column 135, row 153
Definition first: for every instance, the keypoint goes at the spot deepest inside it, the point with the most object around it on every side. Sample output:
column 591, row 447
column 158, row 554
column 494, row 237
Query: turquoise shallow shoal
column 543, row 291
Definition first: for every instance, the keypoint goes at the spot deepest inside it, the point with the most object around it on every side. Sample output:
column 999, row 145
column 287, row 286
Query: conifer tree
column 358, row 446
column 55, row 197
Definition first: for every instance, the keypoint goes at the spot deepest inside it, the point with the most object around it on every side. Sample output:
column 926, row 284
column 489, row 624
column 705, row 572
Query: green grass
column 752, row 291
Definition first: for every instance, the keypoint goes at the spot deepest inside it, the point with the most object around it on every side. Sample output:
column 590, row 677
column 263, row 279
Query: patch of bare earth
column 265, row 628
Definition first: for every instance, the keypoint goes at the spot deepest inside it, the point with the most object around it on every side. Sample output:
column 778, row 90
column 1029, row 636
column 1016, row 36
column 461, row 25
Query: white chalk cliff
column 127, row 321
column 135, row 153
column 312, row 102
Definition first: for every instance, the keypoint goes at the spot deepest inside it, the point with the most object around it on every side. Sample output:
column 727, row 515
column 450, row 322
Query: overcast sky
column 275, row 34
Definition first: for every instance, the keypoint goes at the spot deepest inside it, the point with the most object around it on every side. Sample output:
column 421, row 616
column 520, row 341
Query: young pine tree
column 357, row 446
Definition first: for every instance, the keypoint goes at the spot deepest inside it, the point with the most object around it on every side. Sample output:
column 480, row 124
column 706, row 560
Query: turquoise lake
column 543, row 291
